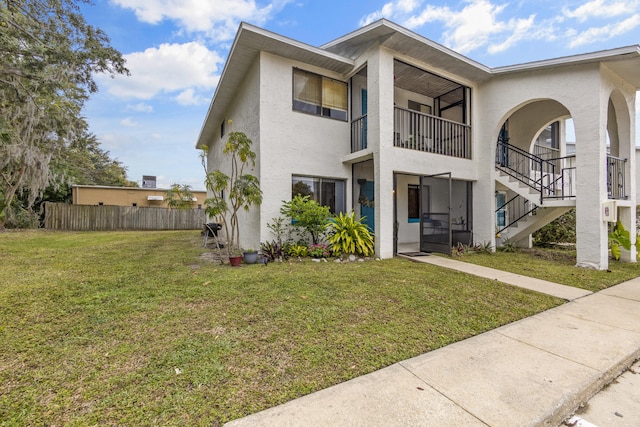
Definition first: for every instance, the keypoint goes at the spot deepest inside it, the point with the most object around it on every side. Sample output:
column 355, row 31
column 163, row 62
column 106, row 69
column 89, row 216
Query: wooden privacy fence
column 61, row 216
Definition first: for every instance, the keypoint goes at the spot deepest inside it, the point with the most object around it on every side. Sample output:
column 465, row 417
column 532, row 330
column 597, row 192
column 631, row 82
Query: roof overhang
column 400, row 39
column 625, row 61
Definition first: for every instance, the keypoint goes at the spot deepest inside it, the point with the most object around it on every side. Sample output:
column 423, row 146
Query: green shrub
column 17, row 216
column 620, row 237
column 483, row 248
column 307, row 215
column 298, row 251
column 274, row 251
column 508, row 246
column 560, row 230
column 348, row 235
column 318, row 251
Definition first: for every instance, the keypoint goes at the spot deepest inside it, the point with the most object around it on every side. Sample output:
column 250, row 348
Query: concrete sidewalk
column 536, row 371
column 568, row 293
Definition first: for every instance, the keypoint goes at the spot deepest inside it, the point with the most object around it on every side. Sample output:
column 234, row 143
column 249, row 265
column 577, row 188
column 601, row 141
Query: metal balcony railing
column 359, row 134
column 431, row 134
column 418, row 131
column 616, row 178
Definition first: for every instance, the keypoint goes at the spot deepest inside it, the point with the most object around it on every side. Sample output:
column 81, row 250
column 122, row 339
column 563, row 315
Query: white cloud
column 521, row 29
column 190, row 97
column 140, row 107
column 606, row 32
column 166, row 69
column 391, row 10
column 601, row 9
column 218, row 19
column 476, row 25
column 128, row 122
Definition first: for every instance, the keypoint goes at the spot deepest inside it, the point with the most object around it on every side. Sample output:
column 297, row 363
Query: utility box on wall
column 610, row 211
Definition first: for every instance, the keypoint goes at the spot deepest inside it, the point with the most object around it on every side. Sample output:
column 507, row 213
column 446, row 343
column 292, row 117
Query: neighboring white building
column 427, row 143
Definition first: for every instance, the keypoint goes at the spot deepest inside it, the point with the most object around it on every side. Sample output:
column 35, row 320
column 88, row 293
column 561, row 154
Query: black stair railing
column 564, row 183
column 513, row 211
column 531, row 170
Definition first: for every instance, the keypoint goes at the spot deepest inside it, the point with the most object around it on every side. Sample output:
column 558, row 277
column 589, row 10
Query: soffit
column 628, row 68
column 410, row 44
column 624, row 61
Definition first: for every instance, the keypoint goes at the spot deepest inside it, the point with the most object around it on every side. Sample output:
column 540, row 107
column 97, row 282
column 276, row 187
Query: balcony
column 421, row 132
column 359, row 134
column 431, row 134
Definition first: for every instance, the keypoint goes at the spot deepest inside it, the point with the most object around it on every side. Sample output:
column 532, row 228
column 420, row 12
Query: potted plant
column 235, row 259
column 230, row 193
column 250, row 256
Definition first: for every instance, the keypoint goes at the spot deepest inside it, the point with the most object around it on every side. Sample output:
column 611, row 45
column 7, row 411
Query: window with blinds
column 319, row 95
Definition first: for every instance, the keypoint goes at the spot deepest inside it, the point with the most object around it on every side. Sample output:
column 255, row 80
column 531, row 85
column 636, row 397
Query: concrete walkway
column 536, row 371
column 568, row 293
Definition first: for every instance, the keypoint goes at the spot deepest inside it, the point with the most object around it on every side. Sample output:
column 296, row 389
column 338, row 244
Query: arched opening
column 618, row 147
column 533, row 170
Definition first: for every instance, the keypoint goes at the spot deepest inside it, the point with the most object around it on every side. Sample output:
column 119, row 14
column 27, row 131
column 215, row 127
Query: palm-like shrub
column 348, row 235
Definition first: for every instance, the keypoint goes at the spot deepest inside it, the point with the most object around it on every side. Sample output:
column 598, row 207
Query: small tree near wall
column 179, row 196
column 307, row 215
column 230, row 193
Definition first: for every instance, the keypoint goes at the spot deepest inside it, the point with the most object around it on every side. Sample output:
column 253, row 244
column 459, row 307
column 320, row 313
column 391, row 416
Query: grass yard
column 556, row 265
column 135, row 328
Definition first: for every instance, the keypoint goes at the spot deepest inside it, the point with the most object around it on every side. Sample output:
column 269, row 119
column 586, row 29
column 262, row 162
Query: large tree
column 48, row 58
column 82, row 161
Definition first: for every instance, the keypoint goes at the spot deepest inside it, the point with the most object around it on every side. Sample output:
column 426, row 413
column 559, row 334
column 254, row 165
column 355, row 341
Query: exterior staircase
column 541, row 193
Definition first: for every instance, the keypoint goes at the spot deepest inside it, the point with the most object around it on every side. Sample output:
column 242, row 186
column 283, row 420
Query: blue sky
column 176, row 49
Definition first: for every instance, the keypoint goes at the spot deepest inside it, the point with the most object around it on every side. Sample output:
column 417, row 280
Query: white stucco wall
column 402, row 98
column 244, row 114
column 584, row 91
column 408, row 232
column 295, row 143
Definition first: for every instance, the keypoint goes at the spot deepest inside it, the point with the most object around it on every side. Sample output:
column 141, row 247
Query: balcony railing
column 555, row 178
column 359, row 134
column 422, row 132
column 513, row 211
column 616, row 187
column 431, row 134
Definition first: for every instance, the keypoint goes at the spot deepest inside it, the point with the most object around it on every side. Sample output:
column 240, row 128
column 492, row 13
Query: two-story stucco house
column 432, row 147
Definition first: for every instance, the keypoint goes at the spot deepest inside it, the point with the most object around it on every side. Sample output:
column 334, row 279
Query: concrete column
column 380, row 136
column 624, row 113
column 591, row 183
column 485, row 125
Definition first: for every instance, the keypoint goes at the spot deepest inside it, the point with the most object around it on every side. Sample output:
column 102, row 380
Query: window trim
column 319, row 179
column 415, row 187
column 321, row 110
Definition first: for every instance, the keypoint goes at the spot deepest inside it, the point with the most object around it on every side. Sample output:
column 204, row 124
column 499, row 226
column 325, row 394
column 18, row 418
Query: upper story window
column 319, row 95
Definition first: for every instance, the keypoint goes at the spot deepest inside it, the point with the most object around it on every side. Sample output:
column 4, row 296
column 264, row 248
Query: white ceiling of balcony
column 419, row 81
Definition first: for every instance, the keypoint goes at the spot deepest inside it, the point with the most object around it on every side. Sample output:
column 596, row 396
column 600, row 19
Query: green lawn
column 556, row 265
column 136, row 329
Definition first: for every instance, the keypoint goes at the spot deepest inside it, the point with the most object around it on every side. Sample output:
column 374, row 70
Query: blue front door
column 367, row 208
